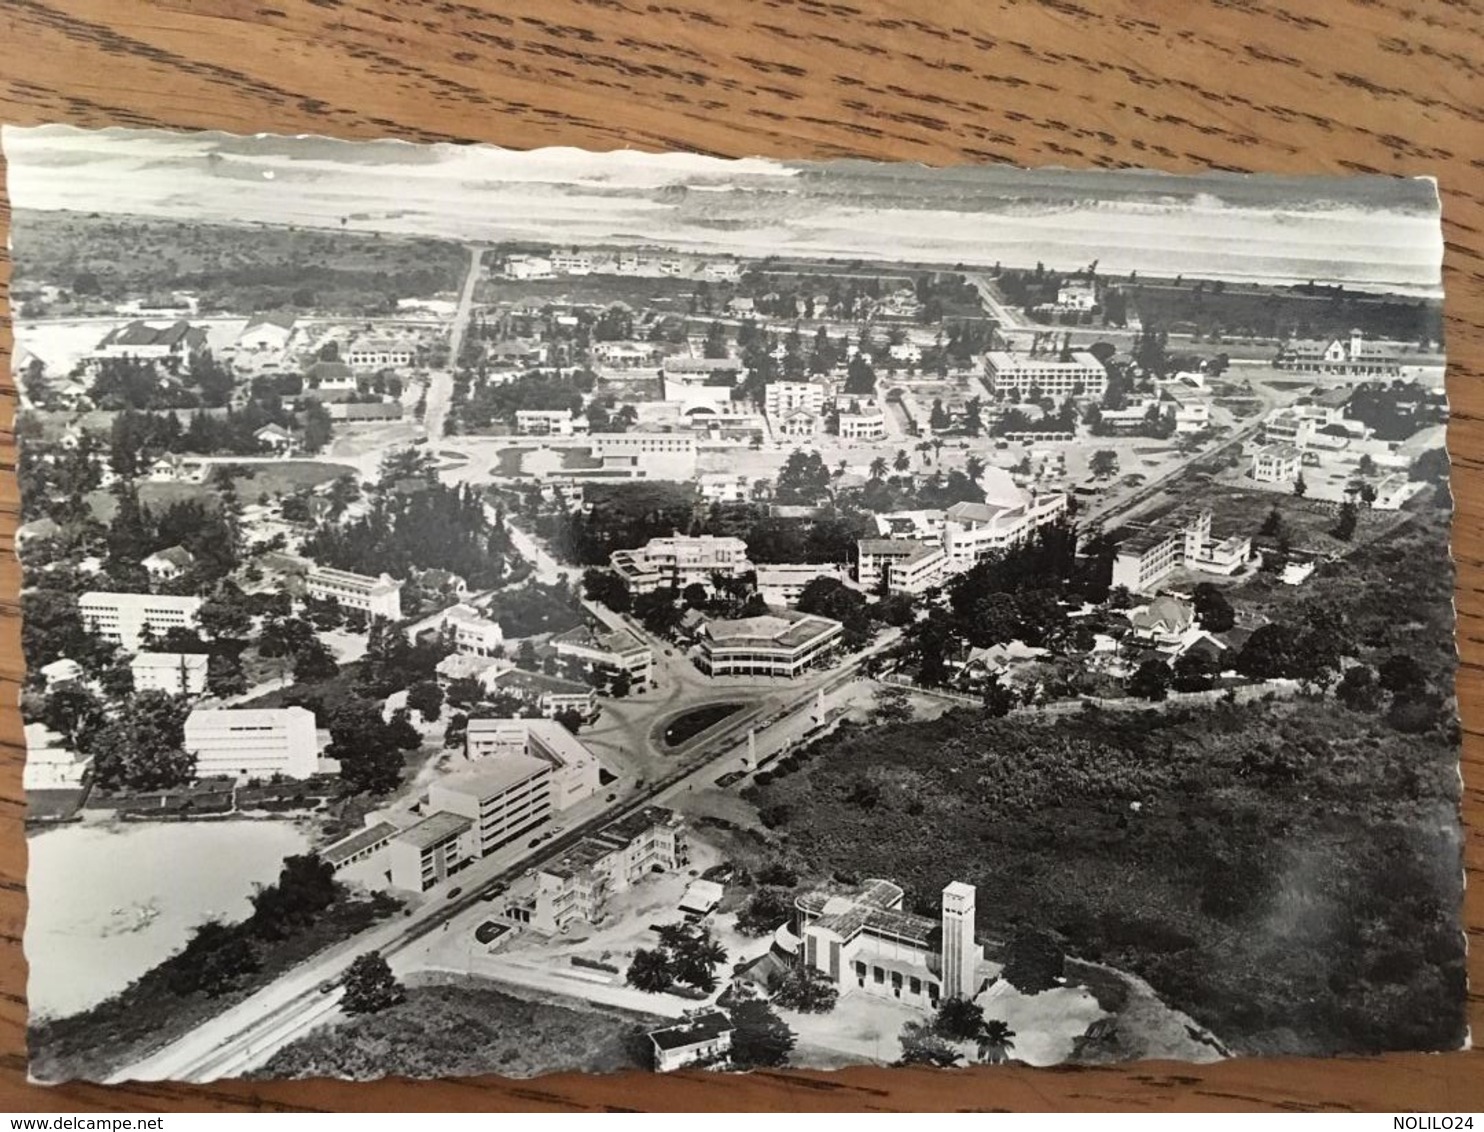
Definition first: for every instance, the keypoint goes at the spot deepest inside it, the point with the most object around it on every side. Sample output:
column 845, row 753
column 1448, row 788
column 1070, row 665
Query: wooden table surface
column 1296, row 86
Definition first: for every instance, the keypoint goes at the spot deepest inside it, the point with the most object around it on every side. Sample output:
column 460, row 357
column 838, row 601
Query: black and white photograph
column 517, row 612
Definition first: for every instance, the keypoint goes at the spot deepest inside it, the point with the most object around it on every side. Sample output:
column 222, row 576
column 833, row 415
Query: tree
column 922, row 1045
column 426, row 698
column 315, row 662
column 214, row 960
column 996, row 1041
column 650, row 970
column 999, row 698
column 878, row 468
column 1151, row 681
column 76, row 714
column 1272, row 526
column 1212, row 609
column 901, row 462
column 1195, row 671
column 141, row 747
column 760, row 1039
column 806, row 989
column 621, row 684
column 224, row 675
column 803, row 479
column 1299, row 486
column 1345, row 525
column 305, row 887
column 1358, row 689
column 959, row 1019
column 764, row 911
column 607, row 588
column 1033, row 961
column 370, row 986
column 1367, row 466
column 695, row 595
column 366, row 748
column 1103, row 463
column 1400, row 673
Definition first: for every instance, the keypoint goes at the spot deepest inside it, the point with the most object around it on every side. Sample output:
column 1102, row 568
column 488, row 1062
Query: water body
column 1371, row 232
column 108, row 902
column 686, row 727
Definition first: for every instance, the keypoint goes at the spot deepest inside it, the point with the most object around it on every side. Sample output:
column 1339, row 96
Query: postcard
column 516, row 612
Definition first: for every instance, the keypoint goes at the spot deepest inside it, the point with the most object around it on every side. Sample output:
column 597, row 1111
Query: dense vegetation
column 102, row 259
column 1287, row 873
column 458, row 1029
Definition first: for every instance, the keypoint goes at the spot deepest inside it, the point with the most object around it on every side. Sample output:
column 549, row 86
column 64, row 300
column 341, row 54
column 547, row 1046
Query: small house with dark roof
column 704, row 1039
column 168, row 564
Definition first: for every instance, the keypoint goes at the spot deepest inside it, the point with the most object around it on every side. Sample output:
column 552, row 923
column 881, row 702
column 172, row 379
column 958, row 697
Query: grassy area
column 148, row 1014
column 237, row 267
column 456, row 1029
column 286, row 477
column 154, row 496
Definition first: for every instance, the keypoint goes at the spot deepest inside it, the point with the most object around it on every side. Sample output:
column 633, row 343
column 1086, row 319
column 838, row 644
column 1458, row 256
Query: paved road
column 440, row 382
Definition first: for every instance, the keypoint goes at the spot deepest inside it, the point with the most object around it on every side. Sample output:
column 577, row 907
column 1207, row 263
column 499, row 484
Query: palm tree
column 650, row 971
column 902, row 461
column 973, row 467
column 937, row 448
column 925, row 447
column 996, row 1040
column 878, row 468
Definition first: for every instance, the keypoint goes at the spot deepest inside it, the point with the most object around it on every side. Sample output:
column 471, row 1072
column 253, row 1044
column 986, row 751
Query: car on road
column 328, row 986
column 730, row 777
column 452, row 892
column 495, row 893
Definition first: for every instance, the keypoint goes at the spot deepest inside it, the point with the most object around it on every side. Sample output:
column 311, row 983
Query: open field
column 235, row 267
column 451, row 1028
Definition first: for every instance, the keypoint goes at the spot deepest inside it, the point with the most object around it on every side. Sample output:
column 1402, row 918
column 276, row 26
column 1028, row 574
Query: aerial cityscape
column 512, row 613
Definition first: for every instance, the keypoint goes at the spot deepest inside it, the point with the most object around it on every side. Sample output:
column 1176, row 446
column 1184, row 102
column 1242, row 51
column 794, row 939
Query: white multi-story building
column 572, row 261
column 1081, row 375
column 431, row 851
column 680, row 560
column 782, row 583
column 574, row 767
column 504, row 799
column 576, row 887
column 373, row 353
column 861, row 418
column 1276, row 463
column 175, row 673
column 528, row 267
column 607, row 652
column 125, row 619
column 899, row 565
column 783, row 644
column 865, row 941
column 653, row 455
column 973, row 532
column 473, row 633
column 544, row 422
column 1182, row 538
column 247, row 743
column 1356, row 356
column 376, row 597
column 798, row 424
column 780, row 398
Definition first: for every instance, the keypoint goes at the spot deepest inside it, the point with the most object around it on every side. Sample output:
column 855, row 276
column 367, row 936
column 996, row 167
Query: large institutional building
column 574, row 767
column 576, row 887
column 376, row 597
column 1081, row 375
column 175, row 673
column 680, row 560
column 607, row 652
column 1183, row 538
column 926, row 547
column 783, row 644
column 126, row 619
column 1353, row 357
column 653, row 455
column 245, row 743
column 864, row 941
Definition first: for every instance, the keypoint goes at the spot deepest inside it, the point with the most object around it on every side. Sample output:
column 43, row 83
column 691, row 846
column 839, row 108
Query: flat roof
column 169, row 660
column 434, row 830
column 494, row 775
column 348, row 847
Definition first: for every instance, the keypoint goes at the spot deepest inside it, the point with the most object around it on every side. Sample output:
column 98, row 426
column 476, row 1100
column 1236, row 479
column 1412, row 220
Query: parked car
column 328, row 986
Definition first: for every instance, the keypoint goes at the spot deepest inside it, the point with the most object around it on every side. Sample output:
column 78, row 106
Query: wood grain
column 1252, row 85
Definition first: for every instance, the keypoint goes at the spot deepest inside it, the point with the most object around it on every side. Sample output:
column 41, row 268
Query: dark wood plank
column 1368, row 85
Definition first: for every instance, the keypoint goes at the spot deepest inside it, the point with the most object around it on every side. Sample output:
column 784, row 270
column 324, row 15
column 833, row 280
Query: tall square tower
column 960, row 952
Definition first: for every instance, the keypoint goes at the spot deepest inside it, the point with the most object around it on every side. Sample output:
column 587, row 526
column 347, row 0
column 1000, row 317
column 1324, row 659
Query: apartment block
column 127, row 619
column 376, row 597
column 1080, row 375
column 246, row 743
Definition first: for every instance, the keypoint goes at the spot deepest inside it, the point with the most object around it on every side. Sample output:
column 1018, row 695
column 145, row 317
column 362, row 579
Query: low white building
column 703, row 1039
column 1276, row 463
column 168, row 564
column 724, row 487
column 473, row 633
column 544, row 422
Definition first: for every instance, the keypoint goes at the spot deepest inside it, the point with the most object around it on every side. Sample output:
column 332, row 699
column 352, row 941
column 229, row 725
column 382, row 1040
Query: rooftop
column 434, row 830
column 695, row 1031
column 494, row 775
column 348, row 847
column 626, row 829
column 163, row 660
column 788, row 629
